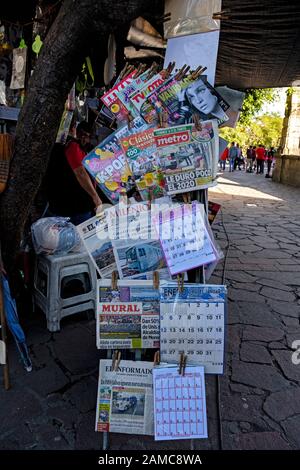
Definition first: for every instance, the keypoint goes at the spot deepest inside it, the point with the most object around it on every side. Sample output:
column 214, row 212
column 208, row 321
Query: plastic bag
column 54, row 235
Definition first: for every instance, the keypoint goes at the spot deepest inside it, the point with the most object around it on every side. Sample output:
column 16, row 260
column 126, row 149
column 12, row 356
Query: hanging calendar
column 192, row 322
column 179, row 403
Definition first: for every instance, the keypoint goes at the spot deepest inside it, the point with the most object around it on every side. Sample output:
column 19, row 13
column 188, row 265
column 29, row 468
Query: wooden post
column 4, row 338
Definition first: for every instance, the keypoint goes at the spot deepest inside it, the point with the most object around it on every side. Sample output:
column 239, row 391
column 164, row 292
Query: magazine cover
column 141, row 153
column 112, row 101
column 123, row 95
column 182, row 99
column 108, row 165
column 128, row 317
column 188, row 157
column 125, row 398
column 94, row 235
column 140, row 98
column 193, row 322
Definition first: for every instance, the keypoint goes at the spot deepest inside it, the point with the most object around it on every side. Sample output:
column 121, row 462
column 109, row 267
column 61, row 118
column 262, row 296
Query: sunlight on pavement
column 234, row 188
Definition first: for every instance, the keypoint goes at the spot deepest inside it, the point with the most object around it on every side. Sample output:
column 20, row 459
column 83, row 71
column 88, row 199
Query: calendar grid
column 180, row 408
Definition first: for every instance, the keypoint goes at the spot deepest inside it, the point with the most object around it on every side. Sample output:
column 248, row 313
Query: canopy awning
column 259, row 44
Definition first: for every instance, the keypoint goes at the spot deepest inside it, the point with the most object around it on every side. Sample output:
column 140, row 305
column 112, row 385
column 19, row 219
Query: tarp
column 259, row 44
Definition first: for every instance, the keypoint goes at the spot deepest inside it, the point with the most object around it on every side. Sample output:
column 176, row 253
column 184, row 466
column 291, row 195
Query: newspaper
column 127, row 317
column 107, row 162
column 94, row 234
column 125, row 398
column 141, row 153
column 188, row 157
column 137, row 250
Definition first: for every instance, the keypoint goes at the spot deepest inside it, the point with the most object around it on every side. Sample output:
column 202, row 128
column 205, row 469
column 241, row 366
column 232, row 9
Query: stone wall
column 287, row 169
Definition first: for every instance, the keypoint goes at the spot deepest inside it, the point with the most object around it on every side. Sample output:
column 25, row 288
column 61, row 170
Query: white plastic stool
column 63, row 285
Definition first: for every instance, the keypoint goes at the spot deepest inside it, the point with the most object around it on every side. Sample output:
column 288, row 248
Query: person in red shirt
column 260, row 159
column 223, row 159
column 69, row 188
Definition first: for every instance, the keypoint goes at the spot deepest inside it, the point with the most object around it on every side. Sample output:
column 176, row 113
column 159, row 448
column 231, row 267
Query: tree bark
column 68, row 42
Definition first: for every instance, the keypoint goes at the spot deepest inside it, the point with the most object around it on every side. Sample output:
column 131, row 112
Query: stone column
column 287, row 169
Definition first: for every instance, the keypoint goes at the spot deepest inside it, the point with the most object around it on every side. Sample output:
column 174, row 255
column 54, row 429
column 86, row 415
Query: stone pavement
column 53, row 407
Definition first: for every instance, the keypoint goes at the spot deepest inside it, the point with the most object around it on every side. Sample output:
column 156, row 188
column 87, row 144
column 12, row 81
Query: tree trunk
column 68, row 42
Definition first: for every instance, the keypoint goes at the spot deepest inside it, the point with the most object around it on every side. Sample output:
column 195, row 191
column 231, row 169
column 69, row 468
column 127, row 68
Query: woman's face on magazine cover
column 201, row 98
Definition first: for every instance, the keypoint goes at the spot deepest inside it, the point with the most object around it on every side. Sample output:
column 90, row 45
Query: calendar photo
column 193, row 322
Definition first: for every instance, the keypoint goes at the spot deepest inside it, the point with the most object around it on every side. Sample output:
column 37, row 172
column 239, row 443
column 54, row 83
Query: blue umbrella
column 14, row 324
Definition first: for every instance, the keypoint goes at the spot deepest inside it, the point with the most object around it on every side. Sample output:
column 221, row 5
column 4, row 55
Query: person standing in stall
column 69, row 188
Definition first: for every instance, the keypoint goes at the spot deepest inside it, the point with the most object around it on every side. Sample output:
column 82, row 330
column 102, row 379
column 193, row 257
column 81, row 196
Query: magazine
column 141, row 153
column 213, row 209
column 140, row 98
column 187, row 97
column 94, row 235
column 108, row 165
column 188, row 157
column 125, row 398
column 127, row 317
column 111, row 100
column 123, row 95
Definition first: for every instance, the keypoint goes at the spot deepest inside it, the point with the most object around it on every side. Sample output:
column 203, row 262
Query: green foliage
column 264, row 130
column 254, row 100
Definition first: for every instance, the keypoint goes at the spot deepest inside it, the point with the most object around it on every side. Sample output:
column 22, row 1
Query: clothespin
column 116, row 359
column 198, row 71
column 167, row 72
column 163, row 18
column 182, row 72
column 180, row 282
column 156, row 359
column 182, row 364
column 221, row 15
column 114, row 280
column 156, row 280
column 130, row 119
column 186, row 198
column 197, row 123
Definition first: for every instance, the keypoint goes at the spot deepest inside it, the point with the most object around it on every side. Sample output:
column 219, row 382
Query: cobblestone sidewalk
column 53, row 407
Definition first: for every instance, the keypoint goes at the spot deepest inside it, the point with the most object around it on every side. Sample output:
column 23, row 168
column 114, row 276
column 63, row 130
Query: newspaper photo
column 188, row 157
column 94, row 235
column 125, row 398
column 127, row 317
column 141, row 153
